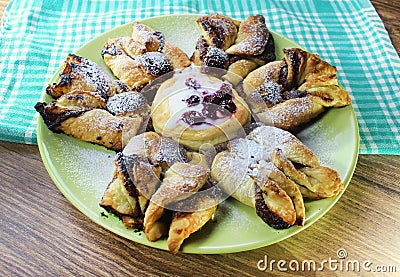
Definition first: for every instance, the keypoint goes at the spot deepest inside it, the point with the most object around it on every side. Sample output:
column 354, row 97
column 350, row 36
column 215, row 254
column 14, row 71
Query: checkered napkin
column 36, row 36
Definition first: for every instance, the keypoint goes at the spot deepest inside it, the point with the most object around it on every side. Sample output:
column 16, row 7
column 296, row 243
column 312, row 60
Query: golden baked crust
column 147, row 161
column 121, row 196
column 78, row 100
column 218, row 30
column 254, row 42
column 180, row 181
column 158, row 150
column 295, row 90
column 176, row 56
column 100, row 127
column 322, row 182
column 238, row 70
column 266, row 73
column 273, row 205
column 252, row 37
column 84, row 115
column 184, row 224
column 144, row 35
column 136, row 68
column 140, row 59
column 137, row 175
column 267, row 170
column 140, row 156
column 155, row 42
column 239, row 47
column 84, row 75
column 291, row 113
column 301, row 70
column 136, row 178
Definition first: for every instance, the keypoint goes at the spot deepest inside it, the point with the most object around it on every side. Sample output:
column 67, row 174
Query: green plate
column 82, row 170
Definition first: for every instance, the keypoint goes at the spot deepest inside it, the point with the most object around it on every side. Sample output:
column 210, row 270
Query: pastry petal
column 218, row 30
column 251, row 38
column 267, row 170
column 121, row 196
column 180, row 181
column 186, row 223
column 82, row 74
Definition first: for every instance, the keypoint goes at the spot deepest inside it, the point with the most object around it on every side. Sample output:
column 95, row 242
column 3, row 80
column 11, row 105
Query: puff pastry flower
column 271, row 170
column 293, row 91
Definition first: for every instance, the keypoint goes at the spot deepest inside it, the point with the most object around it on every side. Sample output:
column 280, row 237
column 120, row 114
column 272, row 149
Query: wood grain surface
column 42, row 234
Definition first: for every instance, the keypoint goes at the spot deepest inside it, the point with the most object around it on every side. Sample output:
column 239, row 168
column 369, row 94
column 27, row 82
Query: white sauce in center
column 177, row 92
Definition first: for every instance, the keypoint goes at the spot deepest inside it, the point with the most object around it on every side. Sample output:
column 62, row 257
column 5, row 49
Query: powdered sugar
column 87, row 169
column 289, row 114
column 215, row 57
column 322, row 140
column 170, row 152
column 270, row 93
column 253, row 34
column 123, row 103
column 155, row 63
column 235, row 217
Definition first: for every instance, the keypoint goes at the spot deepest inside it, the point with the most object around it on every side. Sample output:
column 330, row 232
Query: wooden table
column 43, row 234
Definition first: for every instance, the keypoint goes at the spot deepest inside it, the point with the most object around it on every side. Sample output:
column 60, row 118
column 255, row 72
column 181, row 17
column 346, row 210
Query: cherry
column 218, row 104
column 193, row 100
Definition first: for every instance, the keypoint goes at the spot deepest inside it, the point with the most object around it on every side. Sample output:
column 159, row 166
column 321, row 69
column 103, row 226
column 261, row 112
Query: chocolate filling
column 265, row 213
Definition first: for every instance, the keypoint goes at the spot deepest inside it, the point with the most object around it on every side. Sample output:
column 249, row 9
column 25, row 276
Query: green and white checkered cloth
column 36, row 36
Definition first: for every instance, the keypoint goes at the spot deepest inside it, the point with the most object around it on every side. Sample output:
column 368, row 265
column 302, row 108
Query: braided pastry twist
column 140, row 59
column 239, row 47
column 292, row 91
column 271, row 170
